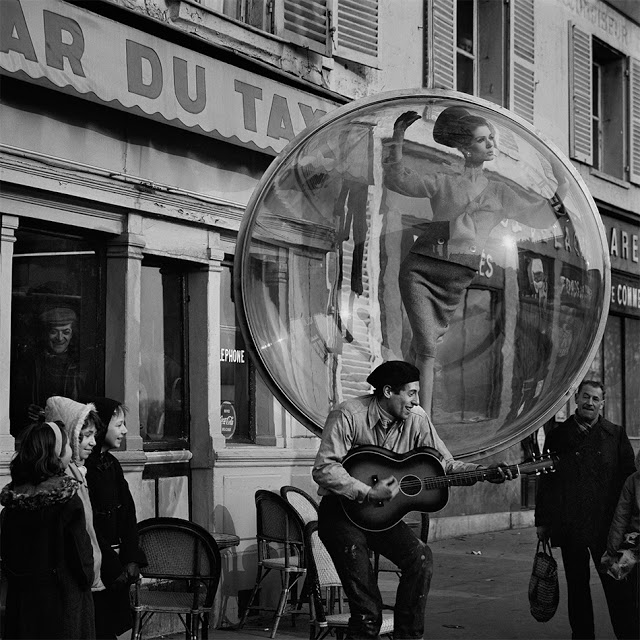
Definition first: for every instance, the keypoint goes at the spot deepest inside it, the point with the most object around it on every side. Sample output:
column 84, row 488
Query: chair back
column 178, row 549
column 301, row 501
column 278, row 526
column 321, row 567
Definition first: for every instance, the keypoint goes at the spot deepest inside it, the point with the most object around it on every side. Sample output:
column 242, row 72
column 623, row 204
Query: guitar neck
column 466, row 477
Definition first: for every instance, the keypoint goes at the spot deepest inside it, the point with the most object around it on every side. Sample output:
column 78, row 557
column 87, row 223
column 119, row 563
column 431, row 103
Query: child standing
column 46, row 552
column 622, row 557
column 81, row 425
column 115, row 522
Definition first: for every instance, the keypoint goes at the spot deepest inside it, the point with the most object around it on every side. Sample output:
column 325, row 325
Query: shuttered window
column 522, row 80
column 634, row 119
column 503, row 50
column 306, row 23
column 356, row 34
column 580, row 64
column 440, row 45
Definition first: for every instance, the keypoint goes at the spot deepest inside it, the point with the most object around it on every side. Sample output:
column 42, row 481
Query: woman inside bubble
column 466, row 206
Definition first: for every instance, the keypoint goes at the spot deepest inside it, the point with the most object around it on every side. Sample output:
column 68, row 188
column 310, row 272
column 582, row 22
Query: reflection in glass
column 235, row 371
column 56, row 343
column 163, row 410
column 434, row 230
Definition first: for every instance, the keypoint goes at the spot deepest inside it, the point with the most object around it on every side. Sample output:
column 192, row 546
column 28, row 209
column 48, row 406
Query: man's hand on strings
column 384, row 490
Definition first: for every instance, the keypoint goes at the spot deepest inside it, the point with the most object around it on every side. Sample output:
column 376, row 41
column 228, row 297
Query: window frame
column 182, row 442
column 582, row 137
column 345, row 29
column 513, row 63
column 95, row 248
column 248, row 436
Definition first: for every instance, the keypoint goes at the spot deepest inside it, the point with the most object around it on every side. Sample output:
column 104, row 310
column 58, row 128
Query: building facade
column 133, row 134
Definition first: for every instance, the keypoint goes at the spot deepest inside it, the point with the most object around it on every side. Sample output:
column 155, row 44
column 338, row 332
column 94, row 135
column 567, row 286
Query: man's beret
column 393, row 372
column 58, row 316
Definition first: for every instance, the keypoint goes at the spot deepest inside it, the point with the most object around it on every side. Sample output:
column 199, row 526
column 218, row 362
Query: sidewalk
column 479, row 590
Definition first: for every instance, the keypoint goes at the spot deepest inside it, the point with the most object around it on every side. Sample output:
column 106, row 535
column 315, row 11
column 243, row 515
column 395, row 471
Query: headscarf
column 73, row 414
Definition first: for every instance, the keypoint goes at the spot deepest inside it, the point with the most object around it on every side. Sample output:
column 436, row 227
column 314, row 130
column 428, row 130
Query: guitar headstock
column 545, row 463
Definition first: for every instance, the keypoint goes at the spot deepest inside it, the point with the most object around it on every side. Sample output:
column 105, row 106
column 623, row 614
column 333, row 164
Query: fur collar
column 29, row 497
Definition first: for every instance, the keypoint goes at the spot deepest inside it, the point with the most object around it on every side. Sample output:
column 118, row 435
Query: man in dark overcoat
column 575, row 505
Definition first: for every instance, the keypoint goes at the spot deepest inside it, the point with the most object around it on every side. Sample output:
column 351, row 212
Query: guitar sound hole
column 410, row 485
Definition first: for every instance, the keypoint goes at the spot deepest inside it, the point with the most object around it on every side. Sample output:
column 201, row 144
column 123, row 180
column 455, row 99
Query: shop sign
column 625, row 294
column 70, row 49
column 622, row 237
column 228, row 419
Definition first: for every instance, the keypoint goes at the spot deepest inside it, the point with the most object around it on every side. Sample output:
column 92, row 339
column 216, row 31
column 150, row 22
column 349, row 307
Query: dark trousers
column 621, row 595
column 350, row 547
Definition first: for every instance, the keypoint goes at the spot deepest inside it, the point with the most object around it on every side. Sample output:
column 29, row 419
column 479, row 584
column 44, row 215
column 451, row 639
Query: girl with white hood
column 80, row 423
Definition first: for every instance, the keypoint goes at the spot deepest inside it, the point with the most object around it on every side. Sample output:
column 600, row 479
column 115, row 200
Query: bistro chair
column 184, row 569
column 280, row 538
column 301, row 501
column 327, row 614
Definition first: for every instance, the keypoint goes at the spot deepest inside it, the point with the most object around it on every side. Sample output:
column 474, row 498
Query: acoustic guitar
column 424, row 486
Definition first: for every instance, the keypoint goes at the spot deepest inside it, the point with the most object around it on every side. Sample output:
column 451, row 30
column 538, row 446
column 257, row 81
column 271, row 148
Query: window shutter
column 306, row 23
column 634, row 119
column 522, row 69
column 441, row 45
column 580, row 123
column 356, row 36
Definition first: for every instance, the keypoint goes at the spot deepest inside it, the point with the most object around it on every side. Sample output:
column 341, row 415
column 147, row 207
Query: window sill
column 596, row 173
column 257, row 456
column 234, row 35
column 165, row 457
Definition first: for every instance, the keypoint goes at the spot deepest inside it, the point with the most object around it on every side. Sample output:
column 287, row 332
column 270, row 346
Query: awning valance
column 73, row 50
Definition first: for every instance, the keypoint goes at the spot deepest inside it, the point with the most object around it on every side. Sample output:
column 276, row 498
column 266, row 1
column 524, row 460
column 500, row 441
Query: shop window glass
column 632, row 373
column 57, row 335
column 164, row 410
column 236, row 374
column 613, row 354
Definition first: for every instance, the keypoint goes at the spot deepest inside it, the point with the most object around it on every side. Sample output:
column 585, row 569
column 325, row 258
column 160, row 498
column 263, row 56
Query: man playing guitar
column 390, row 418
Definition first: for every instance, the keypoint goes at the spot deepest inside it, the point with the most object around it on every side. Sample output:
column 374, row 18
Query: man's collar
column 599, row 421
column 377, row 414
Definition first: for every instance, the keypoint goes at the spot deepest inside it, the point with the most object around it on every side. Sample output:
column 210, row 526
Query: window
column 57, row 335
column 466, row 46
column 257, row 13
column 616, row 364
column 164, row 389
column 599, row 135
column 461, row 33
column 342, row 28
column 607, row 109
column 236, row 373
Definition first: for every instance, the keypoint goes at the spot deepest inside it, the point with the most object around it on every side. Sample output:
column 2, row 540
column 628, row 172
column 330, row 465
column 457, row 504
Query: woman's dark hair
column 454, row 127
column 37, row 458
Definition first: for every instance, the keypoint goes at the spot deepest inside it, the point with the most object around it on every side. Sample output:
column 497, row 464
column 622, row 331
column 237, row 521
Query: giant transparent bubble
column 461, row 242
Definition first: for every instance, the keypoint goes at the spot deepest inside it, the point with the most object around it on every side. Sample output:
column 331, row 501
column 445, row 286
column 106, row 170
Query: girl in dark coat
column 46, row 551
column 114, row 518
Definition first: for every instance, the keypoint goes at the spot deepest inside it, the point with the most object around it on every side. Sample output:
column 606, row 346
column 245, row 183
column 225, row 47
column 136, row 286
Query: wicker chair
column 326, row 592
column 185, row 560
column 301, row 501
column 280, row 538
